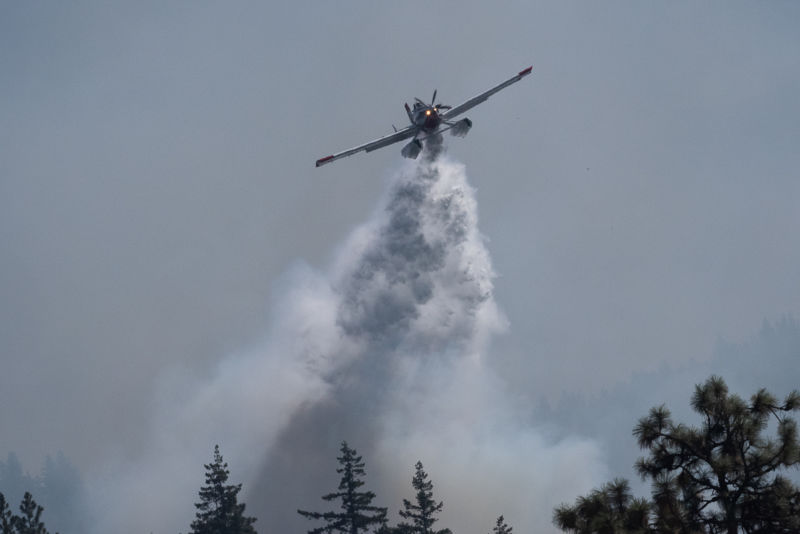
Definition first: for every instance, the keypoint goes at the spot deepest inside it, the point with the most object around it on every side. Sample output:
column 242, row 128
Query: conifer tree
column 6, row 517
column 721, row 477
column 30, row 519
column 501, row 527
column 218, row 511
column 610, row 509
column 357, row 513
column 422, row 514
column 725, row 472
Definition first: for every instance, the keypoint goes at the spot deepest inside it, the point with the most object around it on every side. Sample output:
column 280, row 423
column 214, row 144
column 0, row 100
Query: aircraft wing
column 475, row 100
column 405, row 133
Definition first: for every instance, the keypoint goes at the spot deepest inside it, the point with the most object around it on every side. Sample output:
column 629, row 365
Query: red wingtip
column 526, row 71
column 323, row 161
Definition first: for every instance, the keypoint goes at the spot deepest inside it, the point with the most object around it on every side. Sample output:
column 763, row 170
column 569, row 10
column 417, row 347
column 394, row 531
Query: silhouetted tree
column 725, row 473
column 30, row 519
column 218, row 511
column 721, row 477
column 608, row 510
column 357, row 513
column 6, row 517
column 501, row 527
column 423, row 513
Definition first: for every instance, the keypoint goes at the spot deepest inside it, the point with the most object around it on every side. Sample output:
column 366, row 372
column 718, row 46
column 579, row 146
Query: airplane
column 426, row 122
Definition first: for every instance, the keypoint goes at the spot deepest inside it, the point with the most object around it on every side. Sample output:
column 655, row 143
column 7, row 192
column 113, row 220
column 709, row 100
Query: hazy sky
column 639, row 192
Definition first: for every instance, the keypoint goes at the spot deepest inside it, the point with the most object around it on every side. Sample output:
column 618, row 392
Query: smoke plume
column 386, row 349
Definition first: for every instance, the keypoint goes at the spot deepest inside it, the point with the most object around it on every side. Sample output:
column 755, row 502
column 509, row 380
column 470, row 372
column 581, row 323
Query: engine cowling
column 412, row 149
column 461, row 128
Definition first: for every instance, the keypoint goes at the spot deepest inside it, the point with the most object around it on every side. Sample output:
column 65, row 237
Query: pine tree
column 357, row 514
column 6, row 517
column 30, row 519
column 724, row 476
column 423, row 513
column 501, row 527
column 725, row 473
column 218, row 511
column 610, row 509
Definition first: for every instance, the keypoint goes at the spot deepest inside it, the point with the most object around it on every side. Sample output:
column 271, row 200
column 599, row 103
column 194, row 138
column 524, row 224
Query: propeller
column 438, row 106
column 433, row 102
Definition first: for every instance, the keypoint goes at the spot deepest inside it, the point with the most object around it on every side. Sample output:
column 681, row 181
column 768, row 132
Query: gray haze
column 160, row 217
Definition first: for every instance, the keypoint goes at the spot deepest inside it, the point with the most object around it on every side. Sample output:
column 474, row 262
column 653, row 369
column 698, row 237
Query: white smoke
column 387, row 350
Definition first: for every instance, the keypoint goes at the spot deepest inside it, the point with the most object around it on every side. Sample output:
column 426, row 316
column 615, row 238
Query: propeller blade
column 418, row 100
column 434, row 97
